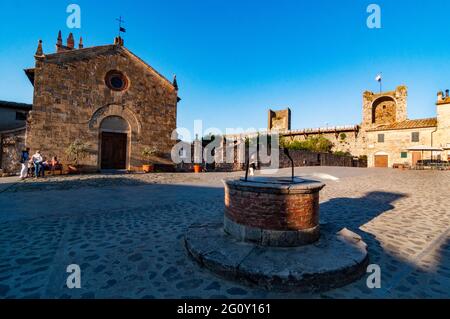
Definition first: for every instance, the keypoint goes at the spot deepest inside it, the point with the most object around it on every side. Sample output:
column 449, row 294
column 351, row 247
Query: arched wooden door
column 114, row 132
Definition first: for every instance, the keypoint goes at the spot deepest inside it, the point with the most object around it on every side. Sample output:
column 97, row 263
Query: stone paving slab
column 126, row 232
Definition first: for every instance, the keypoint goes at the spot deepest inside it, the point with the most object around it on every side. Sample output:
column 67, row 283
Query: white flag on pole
column 378, row 78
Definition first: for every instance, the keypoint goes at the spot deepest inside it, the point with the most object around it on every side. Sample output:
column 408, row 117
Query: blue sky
column 236, row 59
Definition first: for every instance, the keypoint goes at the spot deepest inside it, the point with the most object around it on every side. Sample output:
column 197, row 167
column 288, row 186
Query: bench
column 400, row 166
column 57, row 167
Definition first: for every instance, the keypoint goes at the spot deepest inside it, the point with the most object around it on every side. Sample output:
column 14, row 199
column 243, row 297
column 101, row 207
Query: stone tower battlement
column 385, row 107
column 280, row 120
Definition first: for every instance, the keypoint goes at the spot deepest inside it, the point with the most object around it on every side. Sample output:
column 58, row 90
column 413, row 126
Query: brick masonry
column 291, row 208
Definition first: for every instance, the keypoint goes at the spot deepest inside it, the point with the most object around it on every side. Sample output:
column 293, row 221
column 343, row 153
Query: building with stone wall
column 115, row 103
column 13, row 117
column 105, row 97
column 386, row 135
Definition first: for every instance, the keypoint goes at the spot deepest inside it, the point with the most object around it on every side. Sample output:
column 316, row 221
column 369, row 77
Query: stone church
column 104, row 96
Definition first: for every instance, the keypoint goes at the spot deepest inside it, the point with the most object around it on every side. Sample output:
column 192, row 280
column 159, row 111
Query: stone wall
column 305, row 158
column 384, row 111
column 395, row 143
column 12, row 145
column 71, row 100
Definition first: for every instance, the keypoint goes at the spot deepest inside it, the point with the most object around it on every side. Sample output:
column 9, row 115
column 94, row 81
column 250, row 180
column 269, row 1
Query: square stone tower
column 280, row 120
column 385, row 107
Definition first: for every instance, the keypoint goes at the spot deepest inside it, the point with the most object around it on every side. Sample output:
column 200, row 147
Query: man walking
column 25, row 157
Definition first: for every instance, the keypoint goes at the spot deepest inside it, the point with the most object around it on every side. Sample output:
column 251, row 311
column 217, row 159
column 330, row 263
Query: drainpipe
column 432, row 133
column 432, row 144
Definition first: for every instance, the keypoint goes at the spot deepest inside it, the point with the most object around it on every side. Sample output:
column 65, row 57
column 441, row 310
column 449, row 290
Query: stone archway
column 114, row 143
column 116, row 110
column 116, row 125
column 384, row 110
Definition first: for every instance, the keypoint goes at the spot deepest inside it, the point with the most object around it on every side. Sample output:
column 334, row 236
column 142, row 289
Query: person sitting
column 45, row 166
column 54, row 164
column 37, row 161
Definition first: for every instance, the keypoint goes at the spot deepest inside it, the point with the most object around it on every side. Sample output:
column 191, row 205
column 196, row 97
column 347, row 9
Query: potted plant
column 197, row 168
column 148, row 153
column 76, row 151
column 197, row 154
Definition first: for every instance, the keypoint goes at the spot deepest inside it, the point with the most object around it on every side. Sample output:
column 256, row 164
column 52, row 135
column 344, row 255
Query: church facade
column 105, row 97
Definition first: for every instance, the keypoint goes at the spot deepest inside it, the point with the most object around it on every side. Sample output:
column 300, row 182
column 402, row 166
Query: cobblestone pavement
column 126, row 233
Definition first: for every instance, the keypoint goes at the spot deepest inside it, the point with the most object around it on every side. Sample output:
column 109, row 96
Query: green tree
column 318, row 144
column 77, row 151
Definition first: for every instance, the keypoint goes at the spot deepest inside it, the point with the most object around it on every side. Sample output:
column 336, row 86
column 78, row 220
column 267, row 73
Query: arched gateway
column 118, row 131
column 114, row 140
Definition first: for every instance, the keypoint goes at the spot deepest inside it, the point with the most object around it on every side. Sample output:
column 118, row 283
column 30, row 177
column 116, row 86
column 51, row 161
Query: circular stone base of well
column 336, row 260
column 273, row 238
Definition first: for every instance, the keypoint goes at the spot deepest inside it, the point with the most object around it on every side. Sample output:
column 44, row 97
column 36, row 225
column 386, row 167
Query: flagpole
column 380, row 81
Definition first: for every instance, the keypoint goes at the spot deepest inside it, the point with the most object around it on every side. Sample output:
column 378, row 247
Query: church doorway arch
column 115, row 133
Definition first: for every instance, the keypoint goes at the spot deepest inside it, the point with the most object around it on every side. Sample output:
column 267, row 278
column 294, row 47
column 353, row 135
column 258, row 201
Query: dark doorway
column 114, row 150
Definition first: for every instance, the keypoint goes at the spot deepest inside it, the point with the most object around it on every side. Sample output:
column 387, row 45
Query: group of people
column 36, row 164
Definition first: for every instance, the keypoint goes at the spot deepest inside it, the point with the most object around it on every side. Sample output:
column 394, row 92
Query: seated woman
column 54, row 164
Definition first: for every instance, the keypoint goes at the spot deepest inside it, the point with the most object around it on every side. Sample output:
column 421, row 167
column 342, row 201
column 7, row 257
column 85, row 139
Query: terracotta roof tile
column 408, row 124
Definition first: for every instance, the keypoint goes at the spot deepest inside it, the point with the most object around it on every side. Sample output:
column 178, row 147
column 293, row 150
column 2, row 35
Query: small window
column 116, row 81
column 21, row 116
column 380, row 138
column 183, row 153
column 415, row 137
column 404, row 154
